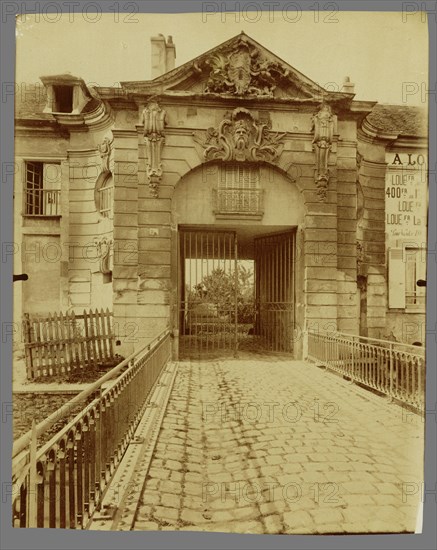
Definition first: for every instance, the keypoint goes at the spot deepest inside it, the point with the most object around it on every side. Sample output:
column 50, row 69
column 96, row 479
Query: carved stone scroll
column 323, row 129
column 241, row 137
column 106, row 150
column 104, row 246
column 154, row 120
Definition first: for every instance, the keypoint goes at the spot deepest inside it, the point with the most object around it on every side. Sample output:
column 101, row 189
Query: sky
column 384, row 54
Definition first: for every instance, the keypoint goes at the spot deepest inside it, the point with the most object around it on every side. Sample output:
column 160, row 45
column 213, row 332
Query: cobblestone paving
column 269, row 445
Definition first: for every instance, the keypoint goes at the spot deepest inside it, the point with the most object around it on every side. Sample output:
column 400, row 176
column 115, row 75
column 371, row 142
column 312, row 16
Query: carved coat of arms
column 239, row 70
column 242, row 71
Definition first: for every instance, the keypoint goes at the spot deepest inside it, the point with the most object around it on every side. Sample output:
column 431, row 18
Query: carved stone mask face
column 241, row 135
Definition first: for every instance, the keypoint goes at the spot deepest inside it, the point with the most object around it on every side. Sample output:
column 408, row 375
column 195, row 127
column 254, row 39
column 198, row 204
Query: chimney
column 170, row 54
column 163, row 55
column 348, row 87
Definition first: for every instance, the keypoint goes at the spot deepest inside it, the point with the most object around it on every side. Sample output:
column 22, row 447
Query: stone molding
column 323, row 129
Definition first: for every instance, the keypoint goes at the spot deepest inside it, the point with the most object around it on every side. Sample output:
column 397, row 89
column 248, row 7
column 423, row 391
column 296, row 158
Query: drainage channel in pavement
column 121, row 499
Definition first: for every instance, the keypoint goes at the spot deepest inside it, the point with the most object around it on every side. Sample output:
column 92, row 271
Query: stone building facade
column 108, row 177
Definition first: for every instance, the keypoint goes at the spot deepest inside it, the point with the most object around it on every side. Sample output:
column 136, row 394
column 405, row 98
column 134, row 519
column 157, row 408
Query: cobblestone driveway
column 269, row 445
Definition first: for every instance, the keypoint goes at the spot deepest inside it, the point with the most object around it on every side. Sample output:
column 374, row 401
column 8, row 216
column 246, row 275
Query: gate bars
column 210, row 320
column 208, row 272
column 275, row 284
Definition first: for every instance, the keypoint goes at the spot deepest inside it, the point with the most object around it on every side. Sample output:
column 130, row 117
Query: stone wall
column 341, row 266
column 371, row 233
column 145, row 280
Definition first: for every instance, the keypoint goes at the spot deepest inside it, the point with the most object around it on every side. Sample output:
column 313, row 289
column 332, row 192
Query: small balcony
column 43, row 203
column 235, row 202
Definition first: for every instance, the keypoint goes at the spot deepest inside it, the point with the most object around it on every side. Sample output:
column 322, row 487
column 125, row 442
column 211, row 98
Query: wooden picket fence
column 63, row 343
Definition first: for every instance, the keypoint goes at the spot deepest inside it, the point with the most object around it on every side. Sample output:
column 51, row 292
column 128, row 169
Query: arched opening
column 235, row 259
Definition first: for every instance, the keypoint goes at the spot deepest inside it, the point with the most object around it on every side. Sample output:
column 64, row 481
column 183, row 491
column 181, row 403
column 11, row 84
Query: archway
column 235, row 260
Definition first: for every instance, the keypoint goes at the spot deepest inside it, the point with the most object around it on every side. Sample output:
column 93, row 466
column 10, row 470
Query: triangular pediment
column 239, row 67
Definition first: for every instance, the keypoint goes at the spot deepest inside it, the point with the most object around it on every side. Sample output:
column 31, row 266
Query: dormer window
column 62, row 99
column 66, row 94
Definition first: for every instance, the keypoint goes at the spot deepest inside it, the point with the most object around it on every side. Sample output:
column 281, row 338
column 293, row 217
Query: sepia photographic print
column 220, row 251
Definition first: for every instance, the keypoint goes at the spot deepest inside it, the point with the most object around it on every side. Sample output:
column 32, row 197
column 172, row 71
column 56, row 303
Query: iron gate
column 274, row 291
column 214, row 319
column 208, row 274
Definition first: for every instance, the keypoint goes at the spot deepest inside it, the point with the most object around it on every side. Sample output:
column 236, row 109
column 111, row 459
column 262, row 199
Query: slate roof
column 400, row 119
column 30, row 101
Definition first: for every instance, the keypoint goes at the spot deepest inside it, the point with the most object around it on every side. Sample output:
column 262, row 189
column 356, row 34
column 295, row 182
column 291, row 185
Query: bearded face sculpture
column 241, row 135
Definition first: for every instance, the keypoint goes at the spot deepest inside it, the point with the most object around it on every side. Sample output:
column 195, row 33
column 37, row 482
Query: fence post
column 391, row 372
column 353, row 359
column 98, row 336
column 27, row 348
column 89, row 362
column 110, row 330
column 32, row 479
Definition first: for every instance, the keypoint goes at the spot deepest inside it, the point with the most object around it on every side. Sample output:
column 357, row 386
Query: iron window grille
column 106, row 200
column 42, row 189
column 238, row 191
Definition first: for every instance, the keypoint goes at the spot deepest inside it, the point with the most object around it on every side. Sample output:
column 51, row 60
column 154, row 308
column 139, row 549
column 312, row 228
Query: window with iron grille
column 106, row 194
column 42, row 189
column 239, row 190
column 239, row 176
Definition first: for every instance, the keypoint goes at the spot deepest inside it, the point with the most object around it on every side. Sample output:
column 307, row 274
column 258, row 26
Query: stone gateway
column 170, row 198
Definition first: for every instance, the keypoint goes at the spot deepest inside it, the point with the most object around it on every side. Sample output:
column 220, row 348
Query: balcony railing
column 392, row 368
column 43, row 202
column 236, row 200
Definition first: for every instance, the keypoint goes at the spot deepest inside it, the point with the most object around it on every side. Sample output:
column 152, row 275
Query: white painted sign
column 406, row 197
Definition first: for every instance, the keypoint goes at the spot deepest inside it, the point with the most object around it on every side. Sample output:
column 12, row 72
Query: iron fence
column 61, row 483
column 392, row 368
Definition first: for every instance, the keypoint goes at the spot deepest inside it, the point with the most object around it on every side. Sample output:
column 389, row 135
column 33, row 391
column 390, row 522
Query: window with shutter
column 405, row 267
column 396, row 278
column 415, row 269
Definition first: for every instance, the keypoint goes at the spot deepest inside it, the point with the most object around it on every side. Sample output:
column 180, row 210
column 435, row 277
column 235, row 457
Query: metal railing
column 238, row 200
column 43, row 202
column 106, row 201
column 394, row 369
column 61, row 483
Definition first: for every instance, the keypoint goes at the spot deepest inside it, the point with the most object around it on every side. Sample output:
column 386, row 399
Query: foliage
column 222, row 288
